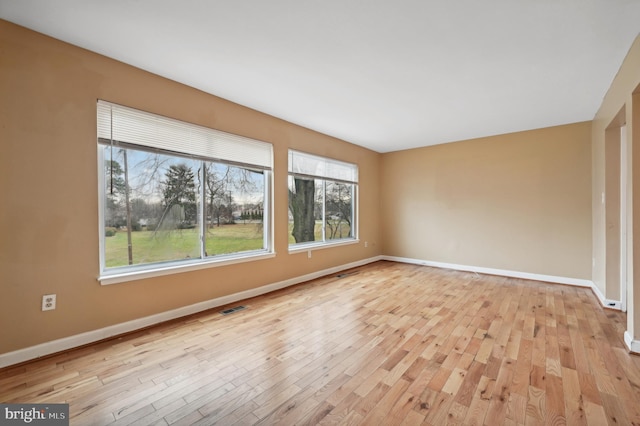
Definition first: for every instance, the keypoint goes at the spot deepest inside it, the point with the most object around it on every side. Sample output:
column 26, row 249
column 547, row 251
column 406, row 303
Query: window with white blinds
column 176, row 196
column 322, row 201
column 309, row 165
column 121, row 125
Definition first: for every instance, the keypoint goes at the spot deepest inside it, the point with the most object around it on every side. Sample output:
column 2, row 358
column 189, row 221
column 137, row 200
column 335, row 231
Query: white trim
column 182, row 266
column 48, row 348
column 490, row 271
column 624, row 183
column 302, row 247
column 606, row 303
column 632, row 345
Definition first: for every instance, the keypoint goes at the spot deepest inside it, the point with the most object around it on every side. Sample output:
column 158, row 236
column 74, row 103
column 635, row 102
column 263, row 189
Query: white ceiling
column 381, row 74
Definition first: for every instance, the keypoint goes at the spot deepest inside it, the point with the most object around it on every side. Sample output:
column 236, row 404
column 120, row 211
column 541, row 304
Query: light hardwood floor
column 388, row 344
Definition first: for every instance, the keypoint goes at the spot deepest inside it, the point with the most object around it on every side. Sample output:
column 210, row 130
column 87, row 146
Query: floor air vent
column 346, row 274
column 232, row 310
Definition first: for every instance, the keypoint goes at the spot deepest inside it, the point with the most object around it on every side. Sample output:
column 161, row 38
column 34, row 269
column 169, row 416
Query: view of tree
column 180, row 190
column 114, row 178
column 115, row 187
column 302, row 206
column 162, row 193
column 165, row 195
column 218, row 199
column 118, row 207
column 315, row 202
column 338, row 202
column 140, row 212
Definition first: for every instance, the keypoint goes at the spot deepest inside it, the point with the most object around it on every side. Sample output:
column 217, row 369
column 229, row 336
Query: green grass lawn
column 180, row 244
column 183, row 243
column 344, row 231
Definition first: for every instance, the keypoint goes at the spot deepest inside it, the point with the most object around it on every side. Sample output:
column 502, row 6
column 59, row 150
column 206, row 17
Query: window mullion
column 102, row 202
column 201, row 210
column 266, row 212
column 324, row 210
column 352, row 229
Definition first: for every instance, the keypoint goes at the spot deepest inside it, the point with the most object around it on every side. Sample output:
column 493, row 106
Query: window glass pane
column 321, row 199
column 156, row 220
column 179, row 193
column 338, row 210
column 234, row 209
column 305, row 206
column 318, row 210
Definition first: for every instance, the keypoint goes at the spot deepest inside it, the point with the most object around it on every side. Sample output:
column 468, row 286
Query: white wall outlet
column 48, row 302
column 308, row 254
column 366, row 243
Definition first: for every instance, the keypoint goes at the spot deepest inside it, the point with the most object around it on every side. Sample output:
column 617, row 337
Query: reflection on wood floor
column 386, row 343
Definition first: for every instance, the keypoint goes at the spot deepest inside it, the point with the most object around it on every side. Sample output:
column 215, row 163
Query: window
column 174, row 194
column 322, row 200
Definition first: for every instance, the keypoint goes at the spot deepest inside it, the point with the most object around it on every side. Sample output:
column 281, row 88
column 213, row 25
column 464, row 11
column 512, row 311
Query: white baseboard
column 632, row 345
column 607, row 303
column 491, row 271
column 48, row 348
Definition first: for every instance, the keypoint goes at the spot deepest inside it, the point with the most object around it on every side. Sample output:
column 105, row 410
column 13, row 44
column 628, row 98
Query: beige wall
column 612, row 211
column 619, row 107
column 48, row 182
column 518, row 202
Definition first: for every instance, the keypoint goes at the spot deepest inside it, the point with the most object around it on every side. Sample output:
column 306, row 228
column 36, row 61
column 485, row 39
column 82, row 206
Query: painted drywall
column 612, row 211
column 48, row 182
column 518, row 202
column 513, row 202
column 620, row 106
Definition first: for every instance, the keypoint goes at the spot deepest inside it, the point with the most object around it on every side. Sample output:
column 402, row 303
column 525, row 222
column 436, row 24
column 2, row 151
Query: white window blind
column 303, row 164
column 119, row 124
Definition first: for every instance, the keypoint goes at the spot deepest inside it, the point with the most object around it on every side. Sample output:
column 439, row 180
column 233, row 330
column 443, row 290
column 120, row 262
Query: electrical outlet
column 366, row 243
column 48, row 302
column 308, row 254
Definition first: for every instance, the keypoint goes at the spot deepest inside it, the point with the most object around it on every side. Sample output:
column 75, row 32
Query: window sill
column 302, row 247
column 158, row 271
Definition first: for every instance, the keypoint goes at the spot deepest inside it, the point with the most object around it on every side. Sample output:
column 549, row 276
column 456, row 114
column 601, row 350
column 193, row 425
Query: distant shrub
column 110, row 232
column 186, row 225
column 151, row 226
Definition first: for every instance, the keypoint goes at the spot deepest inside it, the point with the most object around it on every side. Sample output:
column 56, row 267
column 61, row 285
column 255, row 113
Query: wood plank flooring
column 388, row 343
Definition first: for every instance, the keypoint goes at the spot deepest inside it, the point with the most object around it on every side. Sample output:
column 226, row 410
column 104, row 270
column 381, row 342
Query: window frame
column 126, row 273
column 325, row 175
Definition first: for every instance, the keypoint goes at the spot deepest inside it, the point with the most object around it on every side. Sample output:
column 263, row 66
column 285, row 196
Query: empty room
column 278, row 213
